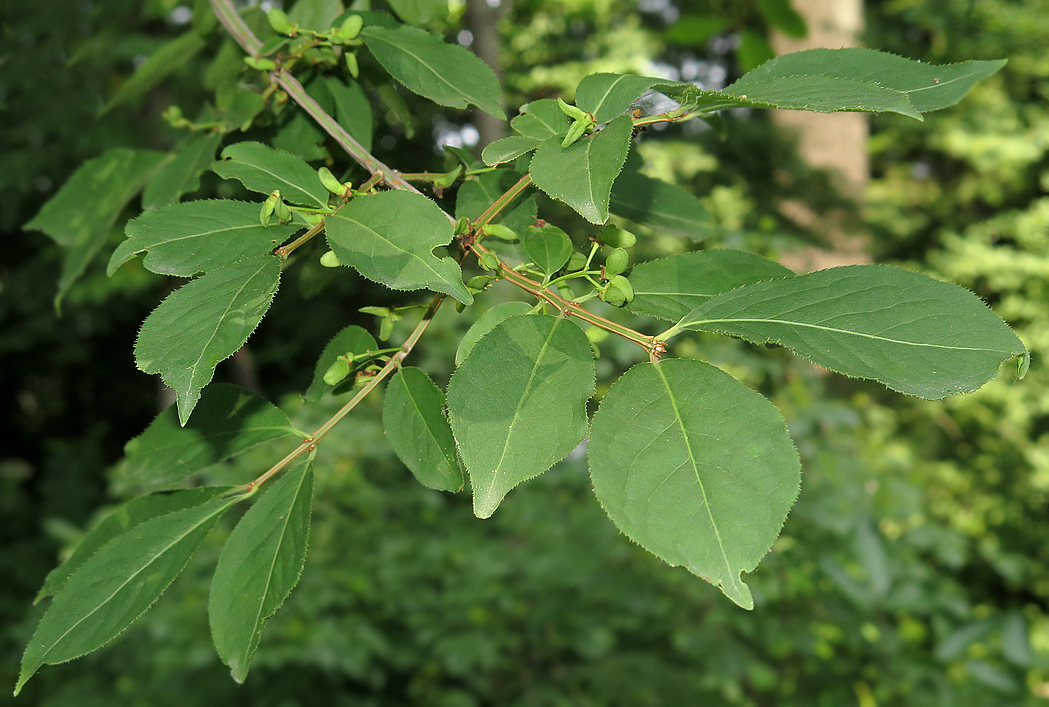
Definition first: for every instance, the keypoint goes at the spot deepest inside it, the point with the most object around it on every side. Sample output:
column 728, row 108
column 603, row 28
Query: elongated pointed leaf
column 189, row 238
column 912, row 333
column 581, row 175
column 116, row 586
column 508, row 148
column 181, row 175
column 658, row 204
column 446, row 74
column 353, row 110
column 541, row 120
column 170, row 58
column 228, row 422
column 81, row 215
column 695, row 467
column 671, row 287
column 263, row 169
column 122, row 519
column 517, row 404
column 548, row 246
column 607, row 95
column 485, row 323
column 415, row 423
column 204, row 322
column 352, row 339
column 389, row 238
column 259, row 566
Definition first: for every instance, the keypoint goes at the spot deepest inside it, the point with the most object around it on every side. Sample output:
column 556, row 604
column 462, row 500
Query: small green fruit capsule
column 266, row 213
column 459, row 307
column 386, row 329
column 596, row 334
column 282, row 212
column 337, row 371
column 462, row 226
column 617, row 262
column 262, row 64
column 490, row 260
column 448, row 179
column 330, row 182
column 573, row 112
column 576, row 263
column 499, row 231
column 351, row 64
column 377, row 311
column 330, row 260
column 613, row 295
column 624, row 286
column 351, row 27
column 616, row 237
column 575, row 132
column 279, row 21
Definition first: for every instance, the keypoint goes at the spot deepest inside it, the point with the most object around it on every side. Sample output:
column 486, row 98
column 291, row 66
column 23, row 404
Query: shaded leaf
column 658, row 204
column 352, row 339
column 780, row 14
column 540, row 119
column 167, row 60
column 116, row 586
column 415, row 423
column 607, row 95
column 695, row 467
column 479, row 192
column 517, row 404
column 228, row 422
column 182, row 174
column 318, row 15
column 389, row 238
column 671, row 287
column 353, row 110
column 445, row 73
column 417, row 12
column 508, row 149
column 80, row 216
column 262, row 169
column 204, row 322
column 485, row 323
column 912, row 333
column 122, row 519
column 548, row 246
column 581, row 175
column 259, row 566
column 195, row 236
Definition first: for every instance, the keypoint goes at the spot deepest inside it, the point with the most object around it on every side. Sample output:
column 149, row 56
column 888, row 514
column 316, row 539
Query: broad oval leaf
column 182, row 174
column 914, row 334
column 541, row 120
column 507, row 149
column 122, row 519
column 445, row 73
column 548, row 246
column 607, row 95
column 259, row 566
column 264, row 169
column 695, row 467
column 658, row 204
column 116, row 586
column 671, row 287
column 485, row 323
column 517, row 404
column 352, row 339
column 228, row 422
column 389, row 238
column 204, row 322
column 415, row 423
column 581, row 175
column 196, row 236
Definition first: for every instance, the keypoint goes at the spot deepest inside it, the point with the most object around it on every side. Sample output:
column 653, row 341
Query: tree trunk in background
column 482, row 19
column 833, row 141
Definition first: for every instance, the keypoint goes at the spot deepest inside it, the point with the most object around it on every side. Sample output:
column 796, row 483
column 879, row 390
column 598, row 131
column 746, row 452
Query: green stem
column 285, row 250
column 501, row 203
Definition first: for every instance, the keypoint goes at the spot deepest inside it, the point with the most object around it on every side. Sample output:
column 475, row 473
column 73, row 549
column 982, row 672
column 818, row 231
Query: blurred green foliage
column 912, row 570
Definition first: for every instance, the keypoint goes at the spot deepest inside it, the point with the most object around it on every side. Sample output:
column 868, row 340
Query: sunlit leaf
column 263, row 169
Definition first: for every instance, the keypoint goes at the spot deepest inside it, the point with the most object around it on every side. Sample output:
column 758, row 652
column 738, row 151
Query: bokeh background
column 913, row 569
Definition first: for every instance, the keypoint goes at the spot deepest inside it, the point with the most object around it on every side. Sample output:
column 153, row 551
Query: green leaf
column 541, row 120
column 237, row 105
column 259, row 566
column 80, row 216
column 485, row 323
column 228, row 422
column 927, row 86
column 670, row 288
column 912, row 333
column 446, row 74
column 517, row 404
column 695, row 467
column 548, row 246
column 167, row 60
column 607, row 95
column 582, row 174
column 508, row 149
column 204, row 322
column 318, row 15
column 116, row 586
column 352, row 109
column 352, row 339
column 479, row 192
column 658, row 204
column 195, row 236
column 262, row 169
column 182, row 174
column 122, row 519
column 415, row 423
column 417, row 12
column 389, row 238
column 780, row 14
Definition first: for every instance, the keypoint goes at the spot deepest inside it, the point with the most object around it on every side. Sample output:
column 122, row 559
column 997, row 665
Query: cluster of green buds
column 347, row 35
column 388, row 316
column 582, row 123
column 274, row 206
column 340, row 189
column 617, row 290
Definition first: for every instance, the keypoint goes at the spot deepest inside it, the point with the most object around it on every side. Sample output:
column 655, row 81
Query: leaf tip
column 738, row 592
column 1023, row 364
